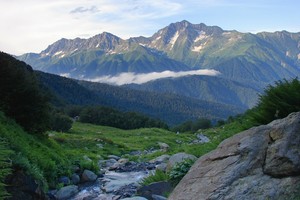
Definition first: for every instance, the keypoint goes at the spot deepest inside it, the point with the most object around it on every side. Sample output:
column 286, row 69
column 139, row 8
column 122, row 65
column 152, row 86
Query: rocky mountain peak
column 62, row 47
column 104, row 41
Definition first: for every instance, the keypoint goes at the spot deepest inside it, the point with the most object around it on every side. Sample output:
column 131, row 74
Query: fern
column 5, row 167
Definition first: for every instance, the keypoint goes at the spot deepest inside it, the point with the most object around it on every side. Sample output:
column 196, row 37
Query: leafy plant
column 180, row 170
column 157, row 176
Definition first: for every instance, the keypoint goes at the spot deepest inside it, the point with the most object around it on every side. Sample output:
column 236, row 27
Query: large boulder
column 260, row 163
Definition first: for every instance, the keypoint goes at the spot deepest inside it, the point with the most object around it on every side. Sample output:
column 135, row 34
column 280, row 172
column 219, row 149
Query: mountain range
column 239, row 65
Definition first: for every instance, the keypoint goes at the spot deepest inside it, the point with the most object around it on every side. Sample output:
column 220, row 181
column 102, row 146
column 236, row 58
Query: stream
column 112, row 186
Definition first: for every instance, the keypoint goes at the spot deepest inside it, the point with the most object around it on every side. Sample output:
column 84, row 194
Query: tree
column 20, row 95
column 61, row 122
column 201, row 124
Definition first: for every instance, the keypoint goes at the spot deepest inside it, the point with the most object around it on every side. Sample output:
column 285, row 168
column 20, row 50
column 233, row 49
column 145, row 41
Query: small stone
column 85, row 157
column 67, row 192
column 88, row 176
column 160, row 159
column 163, row 146
column 75, row 179
column 113, row 157
column 123, row 161
column 65, row 180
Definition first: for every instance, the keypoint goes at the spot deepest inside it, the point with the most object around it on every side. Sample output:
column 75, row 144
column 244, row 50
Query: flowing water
column 111, row 185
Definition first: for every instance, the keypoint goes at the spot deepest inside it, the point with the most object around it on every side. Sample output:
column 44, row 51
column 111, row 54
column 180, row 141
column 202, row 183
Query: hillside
column 206, row 88
column 170, row 108
column 42, row 160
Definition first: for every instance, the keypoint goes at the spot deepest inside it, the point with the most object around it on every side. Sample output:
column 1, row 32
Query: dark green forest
column 107, row 116
column 21, row 97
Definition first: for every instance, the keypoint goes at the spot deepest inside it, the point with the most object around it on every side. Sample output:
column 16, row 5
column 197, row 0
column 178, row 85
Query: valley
column 104, row 117
column 239, row 66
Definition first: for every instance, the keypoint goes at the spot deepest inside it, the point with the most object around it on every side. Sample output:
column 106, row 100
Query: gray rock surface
column 201, row 139
column 259, row 163
column 163, row 146
column 156, row 188
column 135, row 198
column 160, row 159
column 67, row 192
column 158, row 197
column 75, row 179
column 88, row 176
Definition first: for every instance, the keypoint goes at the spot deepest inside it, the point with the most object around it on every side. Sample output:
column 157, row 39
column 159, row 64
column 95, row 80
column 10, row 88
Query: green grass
column 38, row 156
column 47, row 157
column 5, row 166
column 157, row 176
column 83, row 139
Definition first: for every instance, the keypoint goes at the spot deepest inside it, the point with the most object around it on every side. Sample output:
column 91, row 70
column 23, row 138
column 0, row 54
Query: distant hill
column 171, row 108
column 206, row 88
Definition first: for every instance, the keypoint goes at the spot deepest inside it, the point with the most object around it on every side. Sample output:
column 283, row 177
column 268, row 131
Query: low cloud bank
column 129, row 77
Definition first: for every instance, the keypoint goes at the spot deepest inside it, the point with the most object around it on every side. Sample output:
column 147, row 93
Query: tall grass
column 5, row 166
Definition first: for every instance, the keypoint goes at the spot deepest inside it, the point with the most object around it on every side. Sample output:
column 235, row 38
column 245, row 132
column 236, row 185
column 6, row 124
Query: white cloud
column 32, row 25
column 129, row 77
column 81, row 9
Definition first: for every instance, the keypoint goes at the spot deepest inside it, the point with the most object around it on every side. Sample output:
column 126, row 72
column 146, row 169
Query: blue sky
column 31, row 25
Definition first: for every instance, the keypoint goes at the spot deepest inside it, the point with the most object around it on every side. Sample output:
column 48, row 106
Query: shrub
column 193, row 126
column 277, row 102
column 61, row 122
column 180, row 170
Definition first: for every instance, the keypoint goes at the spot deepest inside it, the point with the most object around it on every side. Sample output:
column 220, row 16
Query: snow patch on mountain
column 174, row 39
column 67, row 75
column 129, row 77
column 198, row 48
column 202, row 35
column 58, row 53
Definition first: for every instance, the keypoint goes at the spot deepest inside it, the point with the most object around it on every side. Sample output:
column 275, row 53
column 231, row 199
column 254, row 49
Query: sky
column 32, row 25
